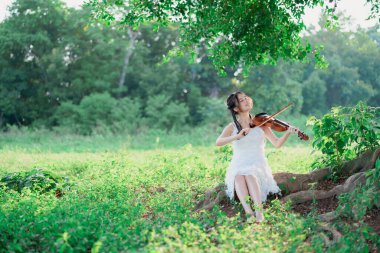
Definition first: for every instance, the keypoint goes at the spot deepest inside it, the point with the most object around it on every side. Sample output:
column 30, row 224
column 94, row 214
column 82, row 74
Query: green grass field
column 125, row 199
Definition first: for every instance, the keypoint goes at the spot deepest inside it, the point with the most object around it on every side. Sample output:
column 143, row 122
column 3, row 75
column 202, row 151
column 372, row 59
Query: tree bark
column 131, row 47
column 1, row 119
column 349, row 185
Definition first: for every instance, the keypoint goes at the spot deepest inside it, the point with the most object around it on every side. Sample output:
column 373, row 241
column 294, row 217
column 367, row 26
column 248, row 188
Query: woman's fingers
column 293, row 129
column 244, row 131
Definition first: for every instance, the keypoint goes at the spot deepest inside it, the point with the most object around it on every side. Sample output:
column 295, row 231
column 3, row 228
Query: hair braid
column 233, row 102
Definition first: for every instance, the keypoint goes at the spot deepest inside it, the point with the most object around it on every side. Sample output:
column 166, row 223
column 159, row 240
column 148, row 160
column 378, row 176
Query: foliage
column 286, row 232
column 344, row 133
column 352, row 208
column 232, row 33
column 375, row 9
column 50, row 55
column 24, row 54
column 351, row 76
column 112, row 205
column 164, row 113
column 49, row 68
column 223, row 154
column 114, row 208
column 252, row 33
column 354, row 205
column 314, row 93
column 100, row 113
column 213, row 112
column 36, row 180
column 274, row 87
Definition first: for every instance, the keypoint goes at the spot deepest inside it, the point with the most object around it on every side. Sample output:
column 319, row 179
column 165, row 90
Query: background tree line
column 59, row 70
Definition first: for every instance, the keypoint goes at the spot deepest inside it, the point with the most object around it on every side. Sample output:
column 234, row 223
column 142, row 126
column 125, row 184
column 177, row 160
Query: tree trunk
column 131, row 47
column 1, row 119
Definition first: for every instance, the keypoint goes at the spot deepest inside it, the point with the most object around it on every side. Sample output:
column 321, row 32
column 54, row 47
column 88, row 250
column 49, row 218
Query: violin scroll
column 303, row 136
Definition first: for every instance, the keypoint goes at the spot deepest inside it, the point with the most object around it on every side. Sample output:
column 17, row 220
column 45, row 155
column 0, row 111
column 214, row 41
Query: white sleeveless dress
column 249, row 159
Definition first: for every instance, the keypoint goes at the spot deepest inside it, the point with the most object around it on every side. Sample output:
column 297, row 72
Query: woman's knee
column 252, row 178
column 239, row 179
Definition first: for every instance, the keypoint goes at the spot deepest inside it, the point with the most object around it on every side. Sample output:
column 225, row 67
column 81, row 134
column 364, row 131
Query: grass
column 138, row 200
column 42, row 140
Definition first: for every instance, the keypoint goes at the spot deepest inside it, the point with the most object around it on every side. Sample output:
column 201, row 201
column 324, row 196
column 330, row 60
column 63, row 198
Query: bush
column 68, row 116
column 344, row 133
column 164, row 113
column 100, row 113
column 214, row 112
column 36, row 180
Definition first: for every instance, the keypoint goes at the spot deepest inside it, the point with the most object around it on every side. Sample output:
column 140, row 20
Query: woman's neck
column 244, row 117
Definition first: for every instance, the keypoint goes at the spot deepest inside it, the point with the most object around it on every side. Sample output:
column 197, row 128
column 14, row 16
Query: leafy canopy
column 233, row 33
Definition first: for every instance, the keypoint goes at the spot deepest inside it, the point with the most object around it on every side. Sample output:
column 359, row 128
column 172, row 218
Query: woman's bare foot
column 259, row 216
column 251, row 218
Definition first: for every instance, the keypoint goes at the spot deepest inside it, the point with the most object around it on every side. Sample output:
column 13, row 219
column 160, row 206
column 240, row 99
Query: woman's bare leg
column 242, row 193
column 254, row 191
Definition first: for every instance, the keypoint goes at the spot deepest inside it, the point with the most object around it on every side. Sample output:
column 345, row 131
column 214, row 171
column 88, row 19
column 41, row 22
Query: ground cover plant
column 118, row 199
column 97, row 155
column 123, row 199
column 143, row 201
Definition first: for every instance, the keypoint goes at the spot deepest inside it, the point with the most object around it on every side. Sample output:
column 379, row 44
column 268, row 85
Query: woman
column 249, row 173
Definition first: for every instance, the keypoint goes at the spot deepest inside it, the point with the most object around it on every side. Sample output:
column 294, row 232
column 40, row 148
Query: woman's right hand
column 243, row 133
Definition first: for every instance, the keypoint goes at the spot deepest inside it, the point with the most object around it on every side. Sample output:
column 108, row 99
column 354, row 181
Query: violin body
column 263, row 119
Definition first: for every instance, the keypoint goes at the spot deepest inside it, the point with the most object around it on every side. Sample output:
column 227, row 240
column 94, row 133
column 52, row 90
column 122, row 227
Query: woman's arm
column 226, row 137
column 277, row 142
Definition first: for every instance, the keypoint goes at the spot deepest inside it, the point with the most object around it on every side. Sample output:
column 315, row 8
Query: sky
column 355, row 8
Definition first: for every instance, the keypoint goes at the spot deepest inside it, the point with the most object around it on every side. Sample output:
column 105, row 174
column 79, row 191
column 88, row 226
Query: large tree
column 27, row 38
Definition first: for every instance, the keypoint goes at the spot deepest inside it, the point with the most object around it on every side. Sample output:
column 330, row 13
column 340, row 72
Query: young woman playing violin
column 249, row 173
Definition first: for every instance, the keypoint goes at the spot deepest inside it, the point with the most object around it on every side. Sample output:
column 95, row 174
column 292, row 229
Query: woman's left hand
column 293, row 130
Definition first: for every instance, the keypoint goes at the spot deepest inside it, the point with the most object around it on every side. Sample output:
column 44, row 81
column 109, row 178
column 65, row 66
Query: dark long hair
column 232, row 102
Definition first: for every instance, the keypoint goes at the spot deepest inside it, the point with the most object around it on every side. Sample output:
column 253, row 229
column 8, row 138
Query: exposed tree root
column 212, row 197
column 349, row 185
column 290, row 183
column 329, row 216
column 364, row 162
column 336, row 235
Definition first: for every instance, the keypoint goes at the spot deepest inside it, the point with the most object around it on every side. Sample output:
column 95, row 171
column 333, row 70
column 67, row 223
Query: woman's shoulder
column 231, row 125
column 229, row 128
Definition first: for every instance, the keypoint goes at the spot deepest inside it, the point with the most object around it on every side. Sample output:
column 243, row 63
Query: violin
column 263, row 119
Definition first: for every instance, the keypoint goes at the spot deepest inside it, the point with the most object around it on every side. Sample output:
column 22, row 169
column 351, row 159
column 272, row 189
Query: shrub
column 36, row 180
column 100, row 112
column 214, row 112
column 164, row 113
column 344, row 133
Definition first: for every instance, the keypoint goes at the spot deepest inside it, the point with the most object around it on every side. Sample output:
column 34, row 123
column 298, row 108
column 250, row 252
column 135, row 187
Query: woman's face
column 245, row 102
